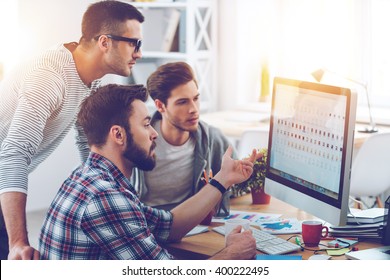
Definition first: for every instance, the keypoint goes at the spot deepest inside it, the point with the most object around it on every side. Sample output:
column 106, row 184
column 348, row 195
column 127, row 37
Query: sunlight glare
column 18, row 42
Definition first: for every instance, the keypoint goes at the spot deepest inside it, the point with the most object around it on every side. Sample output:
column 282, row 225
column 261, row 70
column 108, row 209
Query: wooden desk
column 205, row 245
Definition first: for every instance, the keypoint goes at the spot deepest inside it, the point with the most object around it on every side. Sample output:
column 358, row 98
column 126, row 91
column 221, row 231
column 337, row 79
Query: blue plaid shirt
column 96, row 214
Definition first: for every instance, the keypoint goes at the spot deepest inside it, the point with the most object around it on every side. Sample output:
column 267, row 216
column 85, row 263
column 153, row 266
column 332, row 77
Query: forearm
column 192, row 211
column 13, row 205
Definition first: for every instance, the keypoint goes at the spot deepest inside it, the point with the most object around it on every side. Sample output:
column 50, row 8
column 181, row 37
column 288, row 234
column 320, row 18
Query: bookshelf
column 181, row 31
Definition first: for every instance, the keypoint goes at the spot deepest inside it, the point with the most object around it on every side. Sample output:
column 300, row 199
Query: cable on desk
column 316, row 251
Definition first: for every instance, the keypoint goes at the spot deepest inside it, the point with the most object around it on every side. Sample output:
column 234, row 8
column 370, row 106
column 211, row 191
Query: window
column 379, row 52
column 8, row 17
column 296, row 37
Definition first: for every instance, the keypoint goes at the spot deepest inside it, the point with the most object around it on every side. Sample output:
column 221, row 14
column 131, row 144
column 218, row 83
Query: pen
column 346, row 241
column 342, row 241
column 298, row 241
column 206, row 178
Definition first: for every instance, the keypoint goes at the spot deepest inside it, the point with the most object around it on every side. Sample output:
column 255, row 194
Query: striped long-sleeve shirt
column 39, row 103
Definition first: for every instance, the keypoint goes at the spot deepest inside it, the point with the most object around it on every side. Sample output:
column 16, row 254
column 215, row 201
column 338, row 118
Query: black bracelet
column 218, row 185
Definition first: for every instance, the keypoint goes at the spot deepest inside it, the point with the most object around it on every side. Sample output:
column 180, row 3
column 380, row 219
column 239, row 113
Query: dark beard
column 138, row 156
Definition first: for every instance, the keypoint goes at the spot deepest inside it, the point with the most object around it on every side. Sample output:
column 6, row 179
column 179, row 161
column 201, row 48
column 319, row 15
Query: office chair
column 256, row 138
column 370, row 174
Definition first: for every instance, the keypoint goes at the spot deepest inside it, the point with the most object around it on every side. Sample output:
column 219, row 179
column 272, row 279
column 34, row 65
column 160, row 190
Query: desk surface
column 205, row 245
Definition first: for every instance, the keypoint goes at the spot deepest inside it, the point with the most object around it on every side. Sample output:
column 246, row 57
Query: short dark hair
column 107, row 106
column 107, row 17
column 168, row 77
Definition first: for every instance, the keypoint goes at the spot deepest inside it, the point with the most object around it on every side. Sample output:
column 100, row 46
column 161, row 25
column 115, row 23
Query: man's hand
column 254, row 156
column 242, row 244
column 23, row 252
column 13, row 206
column 239, row 246
column 236, row 171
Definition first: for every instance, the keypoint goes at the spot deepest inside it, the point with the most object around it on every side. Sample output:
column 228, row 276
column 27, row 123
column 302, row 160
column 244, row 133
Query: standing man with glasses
column 40, row 100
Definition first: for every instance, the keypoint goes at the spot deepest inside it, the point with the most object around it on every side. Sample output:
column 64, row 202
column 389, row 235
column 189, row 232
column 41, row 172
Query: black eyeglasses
column 137, row 43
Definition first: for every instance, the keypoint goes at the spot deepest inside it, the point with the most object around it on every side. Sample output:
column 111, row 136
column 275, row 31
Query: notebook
column 380, row 253
column 372, row 215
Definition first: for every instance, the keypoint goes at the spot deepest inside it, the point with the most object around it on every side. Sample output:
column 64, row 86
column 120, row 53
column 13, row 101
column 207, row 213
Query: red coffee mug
column 312, row 232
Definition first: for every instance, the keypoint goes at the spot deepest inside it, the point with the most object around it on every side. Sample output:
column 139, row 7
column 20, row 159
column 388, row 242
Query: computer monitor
column 310, row 147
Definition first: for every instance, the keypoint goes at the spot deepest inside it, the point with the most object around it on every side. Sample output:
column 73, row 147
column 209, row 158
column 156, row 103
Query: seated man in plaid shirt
column 97, row 214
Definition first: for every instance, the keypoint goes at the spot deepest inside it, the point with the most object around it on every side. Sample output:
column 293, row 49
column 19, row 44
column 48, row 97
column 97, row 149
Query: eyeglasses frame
column 136, row 42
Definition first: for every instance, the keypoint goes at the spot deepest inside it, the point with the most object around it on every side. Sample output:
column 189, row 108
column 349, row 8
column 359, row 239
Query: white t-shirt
column 171, row 180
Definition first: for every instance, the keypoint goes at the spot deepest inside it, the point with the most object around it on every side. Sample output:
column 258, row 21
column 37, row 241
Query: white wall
column 227, row 50
column 45, row 181
column 241, row 52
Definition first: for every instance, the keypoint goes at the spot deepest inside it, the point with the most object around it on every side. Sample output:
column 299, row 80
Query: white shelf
column 197, row 41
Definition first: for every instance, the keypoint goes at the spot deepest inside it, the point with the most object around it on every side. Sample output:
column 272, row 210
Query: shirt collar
column 98, row 161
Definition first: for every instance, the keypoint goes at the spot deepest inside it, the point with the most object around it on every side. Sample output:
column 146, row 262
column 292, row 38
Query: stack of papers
column 368, row 216
column 361, row 224
column 358, row 231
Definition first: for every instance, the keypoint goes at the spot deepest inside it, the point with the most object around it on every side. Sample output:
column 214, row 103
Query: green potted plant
column 255, row 183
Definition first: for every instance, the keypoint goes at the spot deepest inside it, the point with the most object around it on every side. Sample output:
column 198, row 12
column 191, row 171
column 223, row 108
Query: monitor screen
column 310, row 147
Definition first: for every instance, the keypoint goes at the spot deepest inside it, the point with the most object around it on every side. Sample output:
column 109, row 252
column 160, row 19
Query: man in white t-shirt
column 40, row 100
column 186, row 146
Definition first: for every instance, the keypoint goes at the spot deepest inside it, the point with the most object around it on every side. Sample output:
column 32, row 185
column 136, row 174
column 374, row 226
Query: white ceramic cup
column 233, row 223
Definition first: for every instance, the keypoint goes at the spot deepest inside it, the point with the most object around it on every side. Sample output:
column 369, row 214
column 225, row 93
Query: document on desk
column 196, row 230
column 253, row 217
column 367, row 216
column 282, row 226
column 380, row 253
